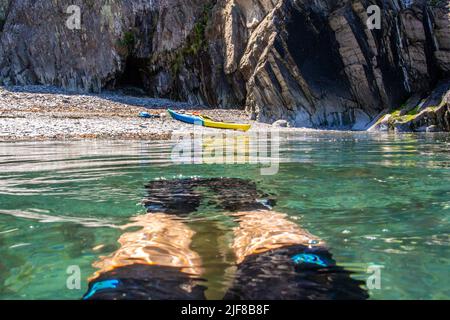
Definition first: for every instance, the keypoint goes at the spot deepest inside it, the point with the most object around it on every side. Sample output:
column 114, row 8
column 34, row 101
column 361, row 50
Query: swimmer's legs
column 277, row 260
column 184, row 196
column 156, row 262
column 153, row 263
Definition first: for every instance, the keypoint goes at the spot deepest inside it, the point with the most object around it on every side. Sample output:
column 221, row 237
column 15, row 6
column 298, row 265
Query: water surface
column 375, row 200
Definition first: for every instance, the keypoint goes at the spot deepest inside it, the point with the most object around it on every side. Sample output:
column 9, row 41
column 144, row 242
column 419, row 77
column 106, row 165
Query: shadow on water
column 166, row 257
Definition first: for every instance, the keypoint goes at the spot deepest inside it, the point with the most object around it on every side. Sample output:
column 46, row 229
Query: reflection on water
column 374, row 199
column 35, row 214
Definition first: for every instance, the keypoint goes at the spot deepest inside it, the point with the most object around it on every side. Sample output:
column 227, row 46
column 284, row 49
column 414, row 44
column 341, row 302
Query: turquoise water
column 374, row 199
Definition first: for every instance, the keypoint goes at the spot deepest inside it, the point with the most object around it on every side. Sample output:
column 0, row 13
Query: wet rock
column 401, row 126
column 432, row 114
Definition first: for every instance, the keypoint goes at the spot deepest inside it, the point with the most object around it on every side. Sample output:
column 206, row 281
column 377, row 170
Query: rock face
column 313, row 63
column 431, row 114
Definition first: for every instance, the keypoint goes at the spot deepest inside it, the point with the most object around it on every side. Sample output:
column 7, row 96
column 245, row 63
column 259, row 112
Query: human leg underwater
column 155, row 263
column 272, row 252
column 277, row 260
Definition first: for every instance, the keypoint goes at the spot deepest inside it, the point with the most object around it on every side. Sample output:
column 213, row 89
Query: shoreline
column 42, row 113
column 36, row 113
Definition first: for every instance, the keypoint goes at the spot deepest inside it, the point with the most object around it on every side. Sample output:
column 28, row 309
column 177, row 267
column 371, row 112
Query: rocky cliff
column 314, row 63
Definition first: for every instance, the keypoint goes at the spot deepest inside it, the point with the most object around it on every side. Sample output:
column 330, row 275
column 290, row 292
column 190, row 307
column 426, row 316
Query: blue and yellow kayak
column 205, row 121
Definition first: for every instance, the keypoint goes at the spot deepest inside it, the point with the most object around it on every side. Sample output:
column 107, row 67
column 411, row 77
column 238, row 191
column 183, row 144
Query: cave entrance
column 133, row 73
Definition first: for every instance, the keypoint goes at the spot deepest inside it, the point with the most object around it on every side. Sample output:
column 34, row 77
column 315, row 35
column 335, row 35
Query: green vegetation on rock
column 196, row 41
column 400, row 117
column 127, row 42
column 412, row 114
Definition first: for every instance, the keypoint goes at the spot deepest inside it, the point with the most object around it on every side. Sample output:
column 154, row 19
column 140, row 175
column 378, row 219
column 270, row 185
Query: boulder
column 281, row 124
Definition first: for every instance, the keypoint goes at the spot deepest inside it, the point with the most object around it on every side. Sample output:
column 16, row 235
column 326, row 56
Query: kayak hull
column 224, row 125
column 186, row 118
column 206, row 122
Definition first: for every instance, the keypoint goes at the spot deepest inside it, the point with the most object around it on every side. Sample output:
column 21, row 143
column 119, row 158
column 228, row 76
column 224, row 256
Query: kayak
column 187, row 118
column 226, row 125
column 205, row 121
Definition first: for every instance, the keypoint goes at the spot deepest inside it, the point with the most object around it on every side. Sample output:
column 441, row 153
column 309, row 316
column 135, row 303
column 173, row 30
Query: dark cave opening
column 132, row 75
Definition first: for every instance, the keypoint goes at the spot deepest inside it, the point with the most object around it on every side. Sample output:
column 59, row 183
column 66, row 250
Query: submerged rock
column 313, row 63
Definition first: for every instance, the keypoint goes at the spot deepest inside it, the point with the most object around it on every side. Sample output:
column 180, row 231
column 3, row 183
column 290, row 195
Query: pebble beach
column 49, row 113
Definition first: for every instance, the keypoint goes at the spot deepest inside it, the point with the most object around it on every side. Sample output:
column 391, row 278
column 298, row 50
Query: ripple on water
column 374, row 199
